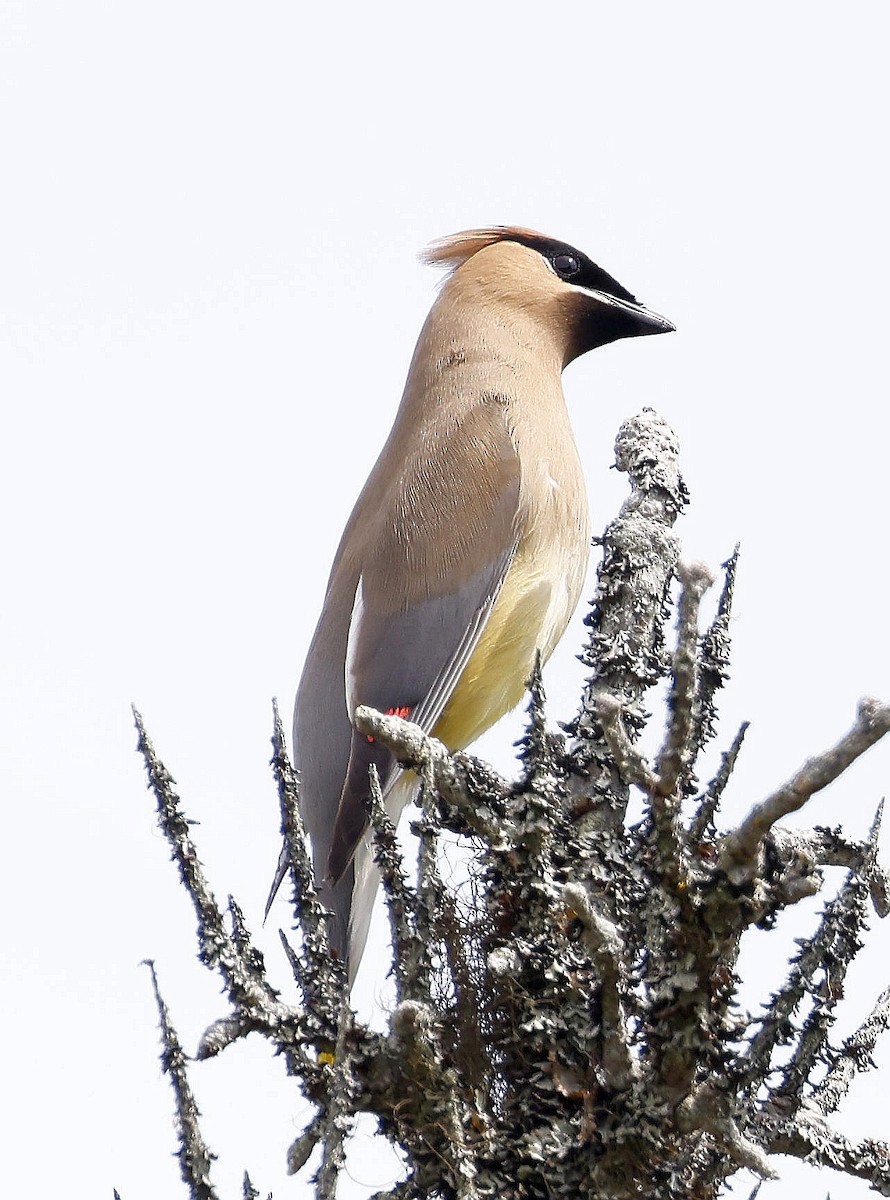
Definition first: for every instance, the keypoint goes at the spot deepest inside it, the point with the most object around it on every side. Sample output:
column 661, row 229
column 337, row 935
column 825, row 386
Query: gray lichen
column 575, row 1031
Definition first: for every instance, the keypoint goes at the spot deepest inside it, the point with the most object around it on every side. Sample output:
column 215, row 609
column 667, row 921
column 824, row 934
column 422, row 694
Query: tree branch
column 675, row 756
column 740, row 848
column 469, row 787
column 569, row 1027
column 194, row 1156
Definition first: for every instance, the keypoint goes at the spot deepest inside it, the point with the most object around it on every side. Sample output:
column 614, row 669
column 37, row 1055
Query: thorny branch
column 194, row 1157
column 571, row 1029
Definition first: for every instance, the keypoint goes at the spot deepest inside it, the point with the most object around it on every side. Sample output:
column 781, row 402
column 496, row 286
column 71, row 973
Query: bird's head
column 562, row 289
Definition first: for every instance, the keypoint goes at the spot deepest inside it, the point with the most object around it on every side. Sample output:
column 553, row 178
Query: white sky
column 209, row 296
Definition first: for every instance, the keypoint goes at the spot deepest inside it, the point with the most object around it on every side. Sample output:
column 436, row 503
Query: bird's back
column 467, row 550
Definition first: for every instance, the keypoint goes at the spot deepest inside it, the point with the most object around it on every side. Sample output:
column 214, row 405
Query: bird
column 466, row 552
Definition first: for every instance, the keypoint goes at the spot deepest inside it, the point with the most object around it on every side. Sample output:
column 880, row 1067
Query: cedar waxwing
column 467, row 549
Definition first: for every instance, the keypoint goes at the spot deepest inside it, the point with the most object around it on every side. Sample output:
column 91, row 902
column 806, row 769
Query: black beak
column 636, row 319
column 608, row 318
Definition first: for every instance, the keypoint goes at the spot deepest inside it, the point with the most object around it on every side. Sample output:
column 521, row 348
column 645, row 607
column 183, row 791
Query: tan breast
column 543, row 585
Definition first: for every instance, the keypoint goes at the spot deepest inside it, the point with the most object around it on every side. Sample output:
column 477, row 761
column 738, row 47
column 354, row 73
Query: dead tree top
column 573, row 1028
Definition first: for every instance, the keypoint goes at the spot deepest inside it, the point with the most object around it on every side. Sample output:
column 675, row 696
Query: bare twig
column 740, row 848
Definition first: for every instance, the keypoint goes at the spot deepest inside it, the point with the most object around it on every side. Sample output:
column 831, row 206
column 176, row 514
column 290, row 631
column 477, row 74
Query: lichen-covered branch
column 811, row 1138
column 675, row 757
column 626, row 648
column 837, row 935
column 318, row 974
column 340, row 1110
column 617, row 1066
column 255, row 1003
column 471, row 790
column 410, row 951
column 741, row 847
column 821, row 847
column 713, row 658
column 709, row 1110
column 854, row 1056
column 194, row 1156
column 710, row 800
column 567, row 1026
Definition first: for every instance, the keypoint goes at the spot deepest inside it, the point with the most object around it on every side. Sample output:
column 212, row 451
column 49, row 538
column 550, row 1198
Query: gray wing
column 426, row 589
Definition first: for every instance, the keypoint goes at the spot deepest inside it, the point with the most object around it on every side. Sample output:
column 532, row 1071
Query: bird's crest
column 452, row 251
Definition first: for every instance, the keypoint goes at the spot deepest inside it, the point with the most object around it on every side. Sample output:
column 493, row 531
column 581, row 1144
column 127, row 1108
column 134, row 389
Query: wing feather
column 427, row 587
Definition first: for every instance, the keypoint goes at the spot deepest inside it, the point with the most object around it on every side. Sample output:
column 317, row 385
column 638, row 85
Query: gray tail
column 280, row 872
column 337, row 899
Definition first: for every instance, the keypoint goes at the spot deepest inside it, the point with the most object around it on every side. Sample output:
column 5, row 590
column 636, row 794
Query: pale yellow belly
column 531, row 613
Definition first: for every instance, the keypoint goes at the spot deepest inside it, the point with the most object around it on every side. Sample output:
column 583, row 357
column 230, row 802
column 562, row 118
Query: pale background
column 209, row 296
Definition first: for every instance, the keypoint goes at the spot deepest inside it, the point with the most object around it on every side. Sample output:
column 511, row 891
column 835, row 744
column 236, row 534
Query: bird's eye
column 566, row 265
